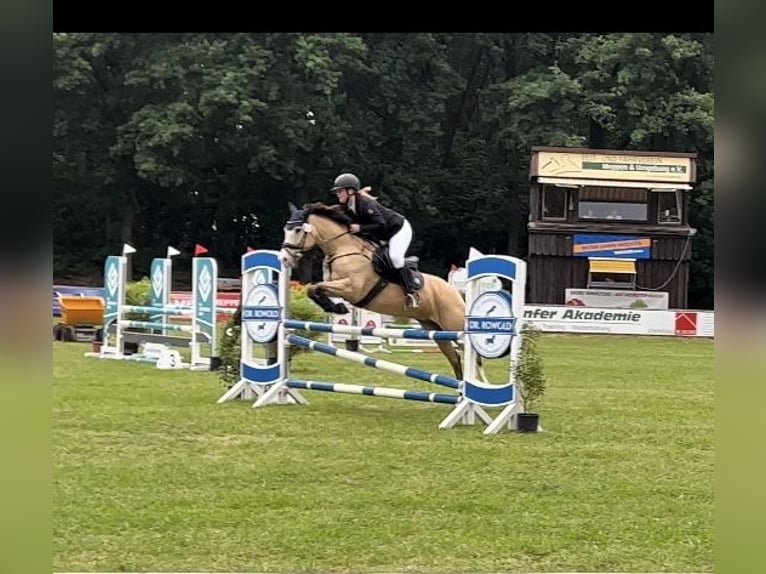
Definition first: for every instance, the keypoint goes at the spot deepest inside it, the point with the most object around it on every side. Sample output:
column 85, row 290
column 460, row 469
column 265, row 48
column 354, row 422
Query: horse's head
column 316, row 225
column 298, row 236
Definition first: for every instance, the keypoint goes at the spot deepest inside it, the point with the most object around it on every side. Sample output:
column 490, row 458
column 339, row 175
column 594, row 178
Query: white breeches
column 398, row 245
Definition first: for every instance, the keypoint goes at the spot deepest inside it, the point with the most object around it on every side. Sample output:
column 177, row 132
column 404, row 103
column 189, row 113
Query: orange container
column 81, row 310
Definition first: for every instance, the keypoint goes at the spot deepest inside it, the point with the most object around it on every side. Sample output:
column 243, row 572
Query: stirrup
column 412, row 301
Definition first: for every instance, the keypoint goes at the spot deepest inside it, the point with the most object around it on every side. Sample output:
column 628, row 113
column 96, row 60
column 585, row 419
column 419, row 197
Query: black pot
column 527, row 422
column 352, row 345
column 215, row 363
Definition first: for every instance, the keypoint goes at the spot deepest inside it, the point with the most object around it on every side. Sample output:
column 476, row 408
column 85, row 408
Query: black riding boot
column 411, row 294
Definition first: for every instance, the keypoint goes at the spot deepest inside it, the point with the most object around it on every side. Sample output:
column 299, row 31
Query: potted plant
column 530, row 379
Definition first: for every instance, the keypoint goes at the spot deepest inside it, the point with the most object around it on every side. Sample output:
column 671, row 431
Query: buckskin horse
column 356, row 270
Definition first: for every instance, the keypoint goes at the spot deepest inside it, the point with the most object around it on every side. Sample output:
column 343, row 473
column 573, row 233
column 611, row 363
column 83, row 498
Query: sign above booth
column 596, row 165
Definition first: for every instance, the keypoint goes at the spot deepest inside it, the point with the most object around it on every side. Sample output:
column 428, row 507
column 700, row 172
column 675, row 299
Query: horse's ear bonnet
column 297, row 217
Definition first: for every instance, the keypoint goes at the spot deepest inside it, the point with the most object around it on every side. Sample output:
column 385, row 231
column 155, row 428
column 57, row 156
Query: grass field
column 151, row 475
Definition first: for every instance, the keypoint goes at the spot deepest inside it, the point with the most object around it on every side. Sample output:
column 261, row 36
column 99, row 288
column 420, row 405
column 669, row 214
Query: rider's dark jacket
column 375, row 221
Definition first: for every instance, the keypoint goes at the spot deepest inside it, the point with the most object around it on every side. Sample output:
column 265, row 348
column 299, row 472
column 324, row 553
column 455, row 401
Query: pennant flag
column 199, row 249
column 172, row 251
column 127, row 249
column 474, row 253
column 249, row 249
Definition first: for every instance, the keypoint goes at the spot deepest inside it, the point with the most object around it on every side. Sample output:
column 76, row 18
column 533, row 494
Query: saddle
column 382, row 265
column 387, row 273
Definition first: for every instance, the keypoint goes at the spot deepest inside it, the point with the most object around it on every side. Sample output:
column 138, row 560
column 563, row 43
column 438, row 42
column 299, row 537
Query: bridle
column 292, row 247
column 292, row 224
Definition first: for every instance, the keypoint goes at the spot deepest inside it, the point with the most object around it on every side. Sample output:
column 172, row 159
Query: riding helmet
column 345, row 180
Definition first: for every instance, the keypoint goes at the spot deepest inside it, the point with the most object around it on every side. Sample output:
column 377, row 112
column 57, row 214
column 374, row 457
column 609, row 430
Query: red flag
column 249, row 249
column 199, row 249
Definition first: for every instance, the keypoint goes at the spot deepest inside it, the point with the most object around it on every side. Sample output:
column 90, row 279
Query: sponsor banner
column 613, row 166
column 598, row 245
column 223, row 300
column 261, row 313
column 564, row 319
column 228, row 300
column 490, row 324
column 616, row 298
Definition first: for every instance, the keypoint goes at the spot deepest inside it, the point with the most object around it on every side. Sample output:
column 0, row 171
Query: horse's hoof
column 340, row 309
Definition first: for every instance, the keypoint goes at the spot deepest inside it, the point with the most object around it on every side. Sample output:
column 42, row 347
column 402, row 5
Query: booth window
column 554, row 202
column 611, row 273
column 668, row 206
column 610, row 203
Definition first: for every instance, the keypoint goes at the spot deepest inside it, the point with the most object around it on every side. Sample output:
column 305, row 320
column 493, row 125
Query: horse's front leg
column 320, row 293
column 326, row 273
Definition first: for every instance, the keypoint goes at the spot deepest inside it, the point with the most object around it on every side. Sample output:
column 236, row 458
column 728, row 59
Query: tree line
column 203, row 138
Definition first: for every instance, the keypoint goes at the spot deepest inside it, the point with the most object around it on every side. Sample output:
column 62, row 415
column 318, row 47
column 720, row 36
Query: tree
column 204, row 138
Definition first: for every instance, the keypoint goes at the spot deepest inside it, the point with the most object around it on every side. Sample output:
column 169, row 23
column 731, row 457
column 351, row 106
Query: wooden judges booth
column 609, row 228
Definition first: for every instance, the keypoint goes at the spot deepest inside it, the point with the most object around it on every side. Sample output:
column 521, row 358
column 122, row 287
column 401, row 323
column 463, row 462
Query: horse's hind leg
column 480, row 368
column 447, row 349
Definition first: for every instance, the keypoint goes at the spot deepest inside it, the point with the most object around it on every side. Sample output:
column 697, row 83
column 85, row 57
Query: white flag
column 474, row 253
column 127, row 249
column 172, row 251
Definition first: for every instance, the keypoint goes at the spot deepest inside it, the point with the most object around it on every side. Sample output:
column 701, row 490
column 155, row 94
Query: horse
column 349, row 272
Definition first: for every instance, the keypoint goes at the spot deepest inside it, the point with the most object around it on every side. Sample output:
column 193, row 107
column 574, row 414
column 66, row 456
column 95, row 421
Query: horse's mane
column 332, row 212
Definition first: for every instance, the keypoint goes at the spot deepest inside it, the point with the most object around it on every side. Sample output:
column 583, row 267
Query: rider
column 378, row 222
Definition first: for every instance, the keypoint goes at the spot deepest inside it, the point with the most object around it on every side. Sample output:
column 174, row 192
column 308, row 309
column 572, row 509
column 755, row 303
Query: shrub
column 138, row 293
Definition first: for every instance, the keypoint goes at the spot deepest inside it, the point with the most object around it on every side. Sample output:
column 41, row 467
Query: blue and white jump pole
column 492, row 330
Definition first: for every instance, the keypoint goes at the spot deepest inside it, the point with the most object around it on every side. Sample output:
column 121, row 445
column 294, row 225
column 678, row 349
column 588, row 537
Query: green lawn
column 151, row 474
